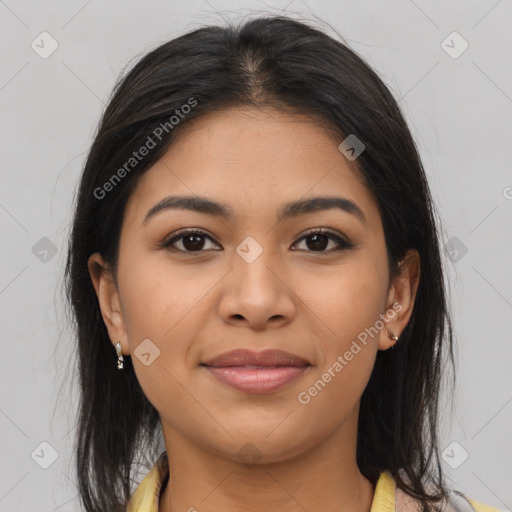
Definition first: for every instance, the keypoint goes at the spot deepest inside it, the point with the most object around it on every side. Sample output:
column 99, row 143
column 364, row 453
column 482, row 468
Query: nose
column 257, row 295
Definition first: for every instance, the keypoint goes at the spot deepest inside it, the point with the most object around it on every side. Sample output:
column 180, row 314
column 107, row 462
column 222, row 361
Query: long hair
column 278, row 62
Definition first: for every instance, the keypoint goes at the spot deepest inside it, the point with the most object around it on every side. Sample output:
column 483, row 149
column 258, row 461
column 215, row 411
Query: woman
column 255, row 274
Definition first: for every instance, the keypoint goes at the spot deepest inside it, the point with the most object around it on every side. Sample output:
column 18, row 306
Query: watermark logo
column 44, row 250
column 249, row 454
column 455, row 455
column 44, row 45
column 147, row 352
column 44, row 455
column 249, row 249
column 351, row 147
column 454, row 45
column 455, row 249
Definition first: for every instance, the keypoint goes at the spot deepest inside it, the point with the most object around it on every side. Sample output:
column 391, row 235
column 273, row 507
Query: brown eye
column 318, row 241
column 190, row 241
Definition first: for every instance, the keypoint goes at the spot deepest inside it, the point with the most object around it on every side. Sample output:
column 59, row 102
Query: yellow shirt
column 147, row 495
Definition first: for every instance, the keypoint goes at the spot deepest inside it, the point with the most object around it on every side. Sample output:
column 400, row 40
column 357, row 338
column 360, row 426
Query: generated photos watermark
column 150, row 143
column 304, row 397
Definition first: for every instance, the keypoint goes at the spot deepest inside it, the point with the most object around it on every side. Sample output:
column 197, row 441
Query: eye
column 320, row 239
column 194, row 240
column 191, row 240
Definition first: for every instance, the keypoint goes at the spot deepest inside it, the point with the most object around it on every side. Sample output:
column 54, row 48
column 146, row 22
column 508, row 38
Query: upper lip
column 241, row 357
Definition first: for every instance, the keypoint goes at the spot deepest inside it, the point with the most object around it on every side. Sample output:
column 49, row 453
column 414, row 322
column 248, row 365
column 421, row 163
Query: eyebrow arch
column 288, row 210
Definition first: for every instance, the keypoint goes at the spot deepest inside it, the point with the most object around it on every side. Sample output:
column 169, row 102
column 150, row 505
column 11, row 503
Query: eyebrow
column 288, row 210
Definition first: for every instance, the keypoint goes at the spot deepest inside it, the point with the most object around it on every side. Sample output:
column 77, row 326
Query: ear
column 401, row 297
column 108, row 298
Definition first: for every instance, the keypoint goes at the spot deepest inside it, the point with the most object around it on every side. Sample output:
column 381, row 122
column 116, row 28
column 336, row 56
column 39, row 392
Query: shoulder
column 456, row 502
column 482, row 507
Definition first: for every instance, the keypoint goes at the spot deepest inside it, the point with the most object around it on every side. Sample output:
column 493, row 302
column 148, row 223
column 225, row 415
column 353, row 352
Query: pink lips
column 261, row 372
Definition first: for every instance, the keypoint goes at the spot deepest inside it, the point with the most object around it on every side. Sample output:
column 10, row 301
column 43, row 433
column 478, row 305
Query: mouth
column 261, row 372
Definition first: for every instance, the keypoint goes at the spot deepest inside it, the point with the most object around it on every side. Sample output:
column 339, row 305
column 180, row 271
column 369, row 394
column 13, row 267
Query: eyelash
column 342, row 243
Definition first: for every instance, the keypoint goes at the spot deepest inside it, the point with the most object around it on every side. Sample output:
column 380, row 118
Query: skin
column 307, row 301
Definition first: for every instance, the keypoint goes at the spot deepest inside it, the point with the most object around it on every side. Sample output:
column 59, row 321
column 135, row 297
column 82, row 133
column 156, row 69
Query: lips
column 260, row 372
column 242, row 357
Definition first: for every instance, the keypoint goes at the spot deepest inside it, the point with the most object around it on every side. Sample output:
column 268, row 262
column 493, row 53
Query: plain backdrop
column 448, row 63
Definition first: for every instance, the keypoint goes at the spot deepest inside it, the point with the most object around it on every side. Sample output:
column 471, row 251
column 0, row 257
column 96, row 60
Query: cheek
column 333, row 394
column 159, row 301
column 346, row 300
column 167, row 304
column 157, row 296
column 147, row 301
column 347, row 305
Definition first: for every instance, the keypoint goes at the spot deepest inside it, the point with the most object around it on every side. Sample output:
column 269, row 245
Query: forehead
column 253, row 160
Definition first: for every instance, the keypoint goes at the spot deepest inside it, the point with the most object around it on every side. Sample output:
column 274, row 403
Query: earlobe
column 393, row 337
column 401, row 299
column 108, row 298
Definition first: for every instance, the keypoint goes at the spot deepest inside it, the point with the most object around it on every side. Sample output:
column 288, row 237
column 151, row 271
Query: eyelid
column 323, row 231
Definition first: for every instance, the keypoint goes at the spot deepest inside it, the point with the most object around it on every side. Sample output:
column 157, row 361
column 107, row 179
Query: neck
column 324, row 478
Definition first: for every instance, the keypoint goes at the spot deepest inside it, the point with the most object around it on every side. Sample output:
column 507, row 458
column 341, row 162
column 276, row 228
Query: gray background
column 459, row 109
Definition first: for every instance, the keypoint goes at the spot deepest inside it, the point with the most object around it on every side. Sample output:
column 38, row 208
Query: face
column 311, row 281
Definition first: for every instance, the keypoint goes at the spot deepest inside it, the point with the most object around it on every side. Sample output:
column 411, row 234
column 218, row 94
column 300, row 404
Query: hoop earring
column 120, row 358
column 393, row 337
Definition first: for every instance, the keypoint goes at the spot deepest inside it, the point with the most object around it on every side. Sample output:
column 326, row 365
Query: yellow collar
column 384, row 497
column 147, row 495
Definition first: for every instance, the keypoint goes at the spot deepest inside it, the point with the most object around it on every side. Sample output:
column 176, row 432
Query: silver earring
column 393, row 337
column 120, row 358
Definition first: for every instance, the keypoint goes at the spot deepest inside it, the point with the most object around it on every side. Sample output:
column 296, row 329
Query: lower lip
column 257, row 379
